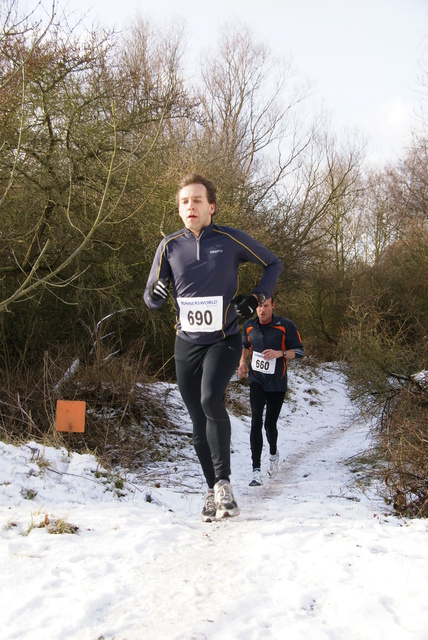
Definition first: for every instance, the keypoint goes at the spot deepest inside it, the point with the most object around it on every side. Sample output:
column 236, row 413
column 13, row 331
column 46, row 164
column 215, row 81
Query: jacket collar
column 269, row 324
column 205, row 232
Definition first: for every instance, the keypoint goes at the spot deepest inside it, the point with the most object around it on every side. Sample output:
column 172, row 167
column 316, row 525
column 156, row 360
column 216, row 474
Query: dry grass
column 124, row 419
column 403, row 444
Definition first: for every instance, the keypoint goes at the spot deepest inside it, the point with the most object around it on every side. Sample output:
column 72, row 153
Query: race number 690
column 199, row 318
column 201, row 314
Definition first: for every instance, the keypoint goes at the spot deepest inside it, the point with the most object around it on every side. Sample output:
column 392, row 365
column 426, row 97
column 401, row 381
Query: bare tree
column 12, row 27
column 249, row 115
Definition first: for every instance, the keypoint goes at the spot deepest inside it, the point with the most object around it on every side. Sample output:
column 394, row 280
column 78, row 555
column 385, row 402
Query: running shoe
column 272, row 469
column 257, row 478
column 209, row 510
column 224, row 500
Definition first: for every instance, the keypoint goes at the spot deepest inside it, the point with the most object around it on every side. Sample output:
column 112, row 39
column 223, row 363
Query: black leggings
column 273, row 401
column 203, row 373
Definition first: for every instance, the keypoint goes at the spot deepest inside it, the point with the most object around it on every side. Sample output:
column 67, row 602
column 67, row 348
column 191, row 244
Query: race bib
column 258, row 363
column 201, row 314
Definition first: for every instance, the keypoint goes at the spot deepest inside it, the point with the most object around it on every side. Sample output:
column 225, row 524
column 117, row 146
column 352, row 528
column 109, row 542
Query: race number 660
column 262, row 364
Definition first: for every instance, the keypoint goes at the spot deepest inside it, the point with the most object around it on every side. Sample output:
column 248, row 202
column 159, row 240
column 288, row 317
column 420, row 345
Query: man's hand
column 245, row 306
column 159, row 289
column 243, row 369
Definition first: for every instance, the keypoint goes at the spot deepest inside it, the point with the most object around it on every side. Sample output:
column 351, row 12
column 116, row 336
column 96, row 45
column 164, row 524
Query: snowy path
column 309, row 558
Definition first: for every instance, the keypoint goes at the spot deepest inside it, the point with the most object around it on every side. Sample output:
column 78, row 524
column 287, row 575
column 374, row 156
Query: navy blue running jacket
column 207, row 267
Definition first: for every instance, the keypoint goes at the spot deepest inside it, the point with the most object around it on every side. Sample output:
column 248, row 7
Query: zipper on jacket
column 198, row 255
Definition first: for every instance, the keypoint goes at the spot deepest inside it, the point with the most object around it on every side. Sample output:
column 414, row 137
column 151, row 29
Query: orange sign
column 70, row 416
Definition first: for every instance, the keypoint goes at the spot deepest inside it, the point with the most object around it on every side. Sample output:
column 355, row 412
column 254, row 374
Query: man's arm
column 253, row 251
column 157, row 286
column 243, row 366
column 293, row 340
column 270, row 354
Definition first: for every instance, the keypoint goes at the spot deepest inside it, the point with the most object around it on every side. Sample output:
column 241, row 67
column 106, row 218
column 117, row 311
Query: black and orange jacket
column 280, row 334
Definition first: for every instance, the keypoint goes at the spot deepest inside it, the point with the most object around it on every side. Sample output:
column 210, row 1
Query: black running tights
column 273, row 401
column 203, row 373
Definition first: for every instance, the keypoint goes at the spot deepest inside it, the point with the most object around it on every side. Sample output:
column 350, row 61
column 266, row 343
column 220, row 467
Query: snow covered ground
column 311, row 557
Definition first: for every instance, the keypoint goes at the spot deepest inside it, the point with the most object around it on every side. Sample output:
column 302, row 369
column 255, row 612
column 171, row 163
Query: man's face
column 265, row 311
column 194, row 208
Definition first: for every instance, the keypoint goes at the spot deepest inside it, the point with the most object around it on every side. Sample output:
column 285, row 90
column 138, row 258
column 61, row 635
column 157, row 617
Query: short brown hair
column 197, row 178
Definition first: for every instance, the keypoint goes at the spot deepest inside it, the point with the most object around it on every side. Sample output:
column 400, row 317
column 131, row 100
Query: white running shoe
column 224, row 500
column 209, row 510
column 273, row 463
column 257, row 479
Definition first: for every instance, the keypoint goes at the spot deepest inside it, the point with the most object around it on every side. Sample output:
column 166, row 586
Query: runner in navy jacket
column 268, row 341
column 201, row 262
column 207, row 266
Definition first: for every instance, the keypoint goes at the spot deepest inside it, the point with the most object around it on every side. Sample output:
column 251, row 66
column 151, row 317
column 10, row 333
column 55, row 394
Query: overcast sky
column 362, row 56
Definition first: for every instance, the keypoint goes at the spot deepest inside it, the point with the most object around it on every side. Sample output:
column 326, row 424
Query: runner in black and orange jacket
column 268, row 342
